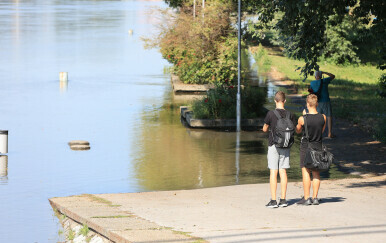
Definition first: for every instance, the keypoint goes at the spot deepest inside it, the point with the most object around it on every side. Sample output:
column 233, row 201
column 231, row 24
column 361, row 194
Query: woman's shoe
column 305, row 202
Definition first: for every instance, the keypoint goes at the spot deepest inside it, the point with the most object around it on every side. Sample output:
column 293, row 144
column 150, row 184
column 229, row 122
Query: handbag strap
column 306, row 131
column 305, row 127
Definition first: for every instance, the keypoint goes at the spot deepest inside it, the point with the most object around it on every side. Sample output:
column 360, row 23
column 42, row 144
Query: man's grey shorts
column 324, row 108
column 278, row 158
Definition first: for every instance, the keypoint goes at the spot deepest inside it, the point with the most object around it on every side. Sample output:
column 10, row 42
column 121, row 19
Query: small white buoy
column 3, row 141
column 3, row 166
column 130, row 32
column 63, row 76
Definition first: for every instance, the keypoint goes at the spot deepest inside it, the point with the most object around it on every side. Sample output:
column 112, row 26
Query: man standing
column 281, row 125
column 324, row 106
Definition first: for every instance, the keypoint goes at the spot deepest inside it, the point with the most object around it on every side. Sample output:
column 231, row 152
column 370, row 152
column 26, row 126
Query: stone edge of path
column 108, row 234
column 180, row 87
column 81, row 220
column 218, row 123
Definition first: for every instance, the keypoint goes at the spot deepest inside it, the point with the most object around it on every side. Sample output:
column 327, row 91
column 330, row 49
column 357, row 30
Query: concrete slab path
column 351, row 210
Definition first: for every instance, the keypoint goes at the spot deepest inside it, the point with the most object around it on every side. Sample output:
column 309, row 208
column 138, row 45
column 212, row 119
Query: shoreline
column 236, row 213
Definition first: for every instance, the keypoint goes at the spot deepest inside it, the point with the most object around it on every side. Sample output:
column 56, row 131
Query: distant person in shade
column 324, row 105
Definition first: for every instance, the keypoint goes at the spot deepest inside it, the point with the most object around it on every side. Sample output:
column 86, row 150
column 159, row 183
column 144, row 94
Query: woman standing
column 316, row 123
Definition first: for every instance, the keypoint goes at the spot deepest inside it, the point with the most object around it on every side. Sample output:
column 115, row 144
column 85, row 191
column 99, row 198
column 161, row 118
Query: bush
column 202, row 49
column 220, row 103
column 262, row 59
column 382, row 85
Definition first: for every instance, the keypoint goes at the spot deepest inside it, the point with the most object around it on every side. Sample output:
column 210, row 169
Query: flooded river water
column 118, row 97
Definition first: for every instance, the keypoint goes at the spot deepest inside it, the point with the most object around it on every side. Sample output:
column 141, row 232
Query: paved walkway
column 352, row 210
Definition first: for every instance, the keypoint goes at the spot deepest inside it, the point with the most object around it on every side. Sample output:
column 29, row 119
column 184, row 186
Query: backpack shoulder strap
column 277, row 114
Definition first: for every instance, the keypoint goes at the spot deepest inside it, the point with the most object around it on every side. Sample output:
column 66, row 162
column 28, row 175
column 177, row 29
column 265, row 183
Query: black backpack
column 318, row 93
column 283, row 135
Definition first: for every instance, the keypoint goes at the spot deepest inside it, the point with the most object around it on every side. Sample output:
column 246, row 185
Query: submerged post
column 238, row 105
column 63, row 76
column 3, row 141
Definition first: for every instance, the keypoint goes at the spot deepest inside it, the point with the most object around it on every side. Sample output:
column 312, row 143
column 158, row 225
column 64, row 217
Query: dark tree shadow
column 367, row 184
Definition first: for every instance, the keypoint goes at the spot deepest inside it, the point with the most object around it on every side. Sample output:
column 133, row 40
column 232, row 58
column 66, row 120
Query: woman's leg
column 315, row 183
column 306, row 182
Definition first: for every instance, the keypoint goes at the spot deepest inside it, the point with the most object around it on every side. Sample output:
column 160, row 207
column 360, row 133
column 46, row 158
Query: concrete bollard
column 3, row 141
column 63, row 76
column 130, row 32
column 3, row 166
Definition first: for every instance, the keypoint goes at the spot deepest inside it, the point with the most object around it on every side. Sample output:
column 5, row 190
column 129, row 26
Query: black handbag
column 316, row 159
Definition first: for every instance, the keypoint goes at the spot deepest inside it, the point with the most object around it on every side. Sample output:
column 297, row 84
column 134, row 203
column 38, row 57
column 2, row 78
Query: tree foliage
column 305, row 26
column 311, row 28
column 203, row 49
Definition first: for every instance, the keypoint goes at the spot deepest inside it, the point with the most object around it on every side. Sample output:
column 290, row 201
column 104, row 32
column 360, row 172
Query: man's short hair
column 312, row 100
column 280, row 96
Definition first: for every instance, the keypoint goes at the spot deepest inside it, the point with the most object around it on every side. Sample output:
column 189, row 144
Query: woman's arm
column 300, row 124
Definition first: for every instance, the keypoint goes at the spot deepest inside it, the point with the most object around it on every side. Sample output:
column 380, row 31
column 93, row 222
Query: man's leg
column 306, row 182
column 273, row 183
column 315, row 183
column 329, row 124
column 283, row 182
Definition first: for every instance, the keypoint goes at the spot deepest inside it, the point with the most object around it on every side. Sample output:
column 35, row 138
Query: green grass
column 100, row 200
column 364, row 74
column 84, row 230
column 71, row 235
column 353, row 93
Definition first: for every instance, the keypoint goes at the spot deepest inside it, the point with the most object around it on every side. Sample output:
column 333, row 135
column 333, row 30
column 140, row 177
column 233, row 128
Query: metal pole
column 238, row 107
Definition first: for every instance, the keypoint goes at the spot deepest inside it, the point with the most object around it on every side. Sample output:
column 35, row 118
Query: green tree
column 304, row 24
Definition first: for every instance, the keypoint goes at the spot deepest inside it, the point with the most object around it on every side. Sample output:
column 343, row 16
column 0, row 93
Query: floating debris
column 79, row 145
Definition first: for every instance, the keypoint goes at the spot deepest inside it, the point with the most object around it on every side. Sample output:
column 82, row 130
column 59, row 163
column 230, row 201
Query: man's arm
column 265, row 127
column 332, row 76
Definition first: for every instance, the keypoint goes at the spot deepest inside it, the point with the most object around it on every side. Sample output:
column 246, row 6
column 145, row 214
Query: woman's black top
column 315, row 123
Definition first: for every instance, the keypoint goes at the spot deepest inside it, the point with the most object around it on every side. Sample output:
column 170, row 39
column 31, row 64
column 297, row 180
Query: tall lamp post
column 238, row 106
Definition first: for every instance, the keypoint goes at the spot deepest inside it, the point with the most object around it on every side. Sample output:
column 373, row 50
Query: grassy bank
column 353, row 92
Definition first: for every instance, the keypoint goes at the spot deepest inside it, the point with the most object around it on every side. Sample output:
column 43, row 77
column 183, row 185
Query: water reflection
column 171, row 156
column 237, row 156
column 3, row 169
column 63, row 86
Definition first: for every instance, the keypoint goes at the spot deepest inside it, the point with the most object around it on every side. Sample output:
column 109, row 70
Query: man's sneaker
column 272, row 204
column 305, row 202
column 315, row 201
column 283, row 203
